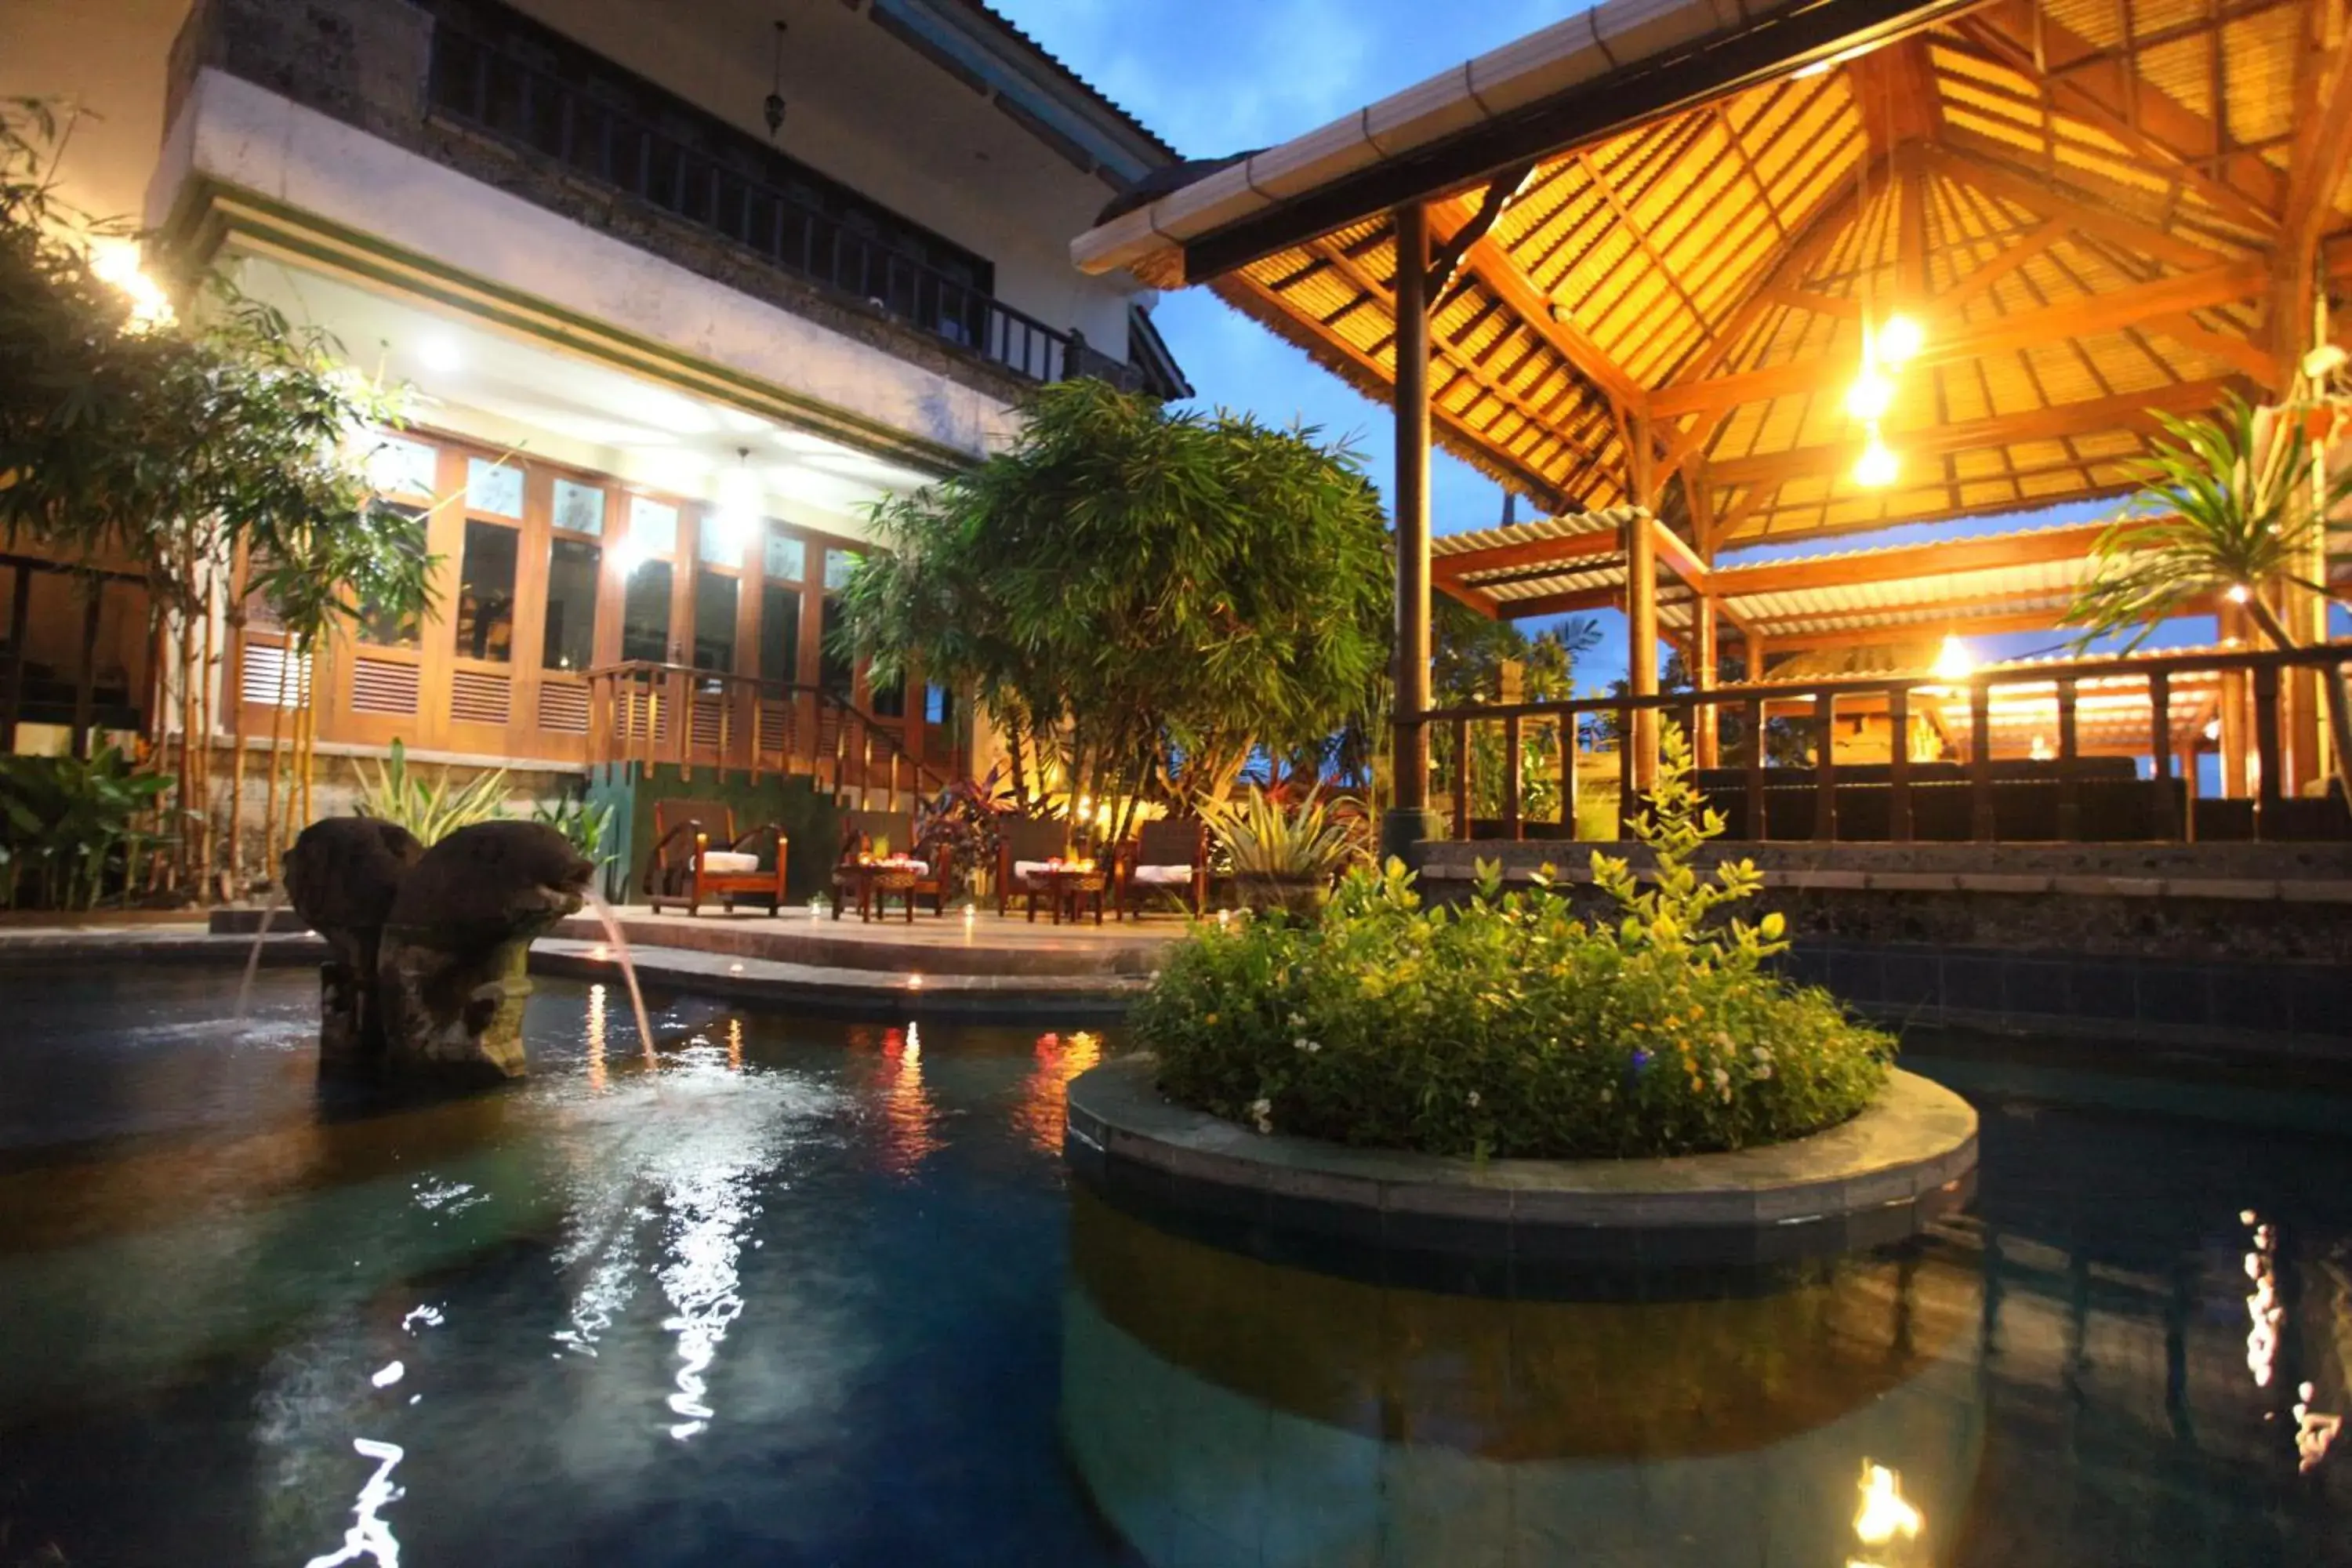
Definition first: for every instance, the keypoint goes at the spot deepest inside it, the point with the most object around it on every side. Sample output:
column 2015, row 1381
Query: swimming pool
column 812, row 1292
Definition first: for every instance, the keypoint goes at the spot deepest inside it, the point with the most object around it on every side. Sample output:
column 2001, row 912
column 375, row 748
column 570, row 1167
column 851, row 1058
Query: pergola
column 1647, row 252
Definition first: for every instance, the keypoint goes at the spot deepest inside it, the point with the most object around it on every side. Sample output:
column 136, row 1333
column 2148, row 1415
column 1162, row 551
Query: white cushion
column 1164, row 876
column 729, row 863
column 1030, row 870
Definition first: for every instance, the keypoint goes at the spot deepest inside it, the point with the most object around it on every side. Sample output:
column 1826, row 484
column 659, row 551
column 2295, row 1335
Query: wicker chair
column 1023, row 845
column 683, row 869
column 1167, row 859
column 894, row 832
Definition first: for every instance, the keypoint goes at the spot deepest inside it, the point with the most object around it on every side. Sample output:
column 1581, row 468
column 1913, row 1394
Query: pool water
column 797, row 1292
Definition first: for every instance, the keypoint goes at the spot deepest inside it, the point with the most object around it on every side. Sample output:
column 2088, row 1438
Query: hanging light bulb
column 737, row 514
column 1955, row 662
column 1898, row 339
column 1877, row 468
column 1873, row 393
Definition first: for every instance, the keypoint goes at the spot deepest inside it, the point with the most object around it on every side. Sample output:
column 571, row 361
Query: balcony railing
column 2108, row 717
column 655, row 713
column 483, row 80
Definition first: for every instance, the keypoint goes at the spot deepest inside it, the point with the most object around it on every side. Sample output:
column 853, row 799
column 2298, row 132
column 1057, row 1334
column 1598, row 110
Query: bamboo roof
column 2099, row 210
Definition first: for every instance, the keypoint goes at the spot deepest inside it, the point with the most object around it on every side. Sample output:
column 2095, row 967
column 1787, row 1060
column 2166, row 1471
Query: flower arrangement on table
column 894, row 862
column 1512, row 1026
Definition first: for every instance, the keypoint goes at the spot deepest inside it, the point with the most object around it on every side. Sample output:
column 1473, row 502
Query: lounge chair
column 684, row 868
column 1023, row 845
column 1168, row 859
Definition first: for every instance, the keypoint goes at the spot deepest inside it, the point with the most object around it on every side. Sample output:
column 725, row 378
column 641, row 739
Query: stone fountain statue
column 428, row 976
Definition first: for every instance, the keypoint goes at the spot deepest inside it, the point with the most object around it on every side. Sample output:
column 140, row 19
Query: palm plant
column 1283, row 855
column 433, row 811
column 2225, row 505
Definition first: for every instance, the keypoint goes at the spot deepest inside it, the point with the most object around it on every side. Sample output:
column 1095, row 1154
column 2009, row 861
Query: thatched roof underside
column 2093, row 207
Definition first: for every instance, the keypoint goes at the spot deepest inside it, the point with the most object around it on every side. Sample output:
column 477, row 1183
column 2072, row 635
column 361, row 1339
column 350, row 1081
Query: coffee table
column 874, row 881
column 1069, row 887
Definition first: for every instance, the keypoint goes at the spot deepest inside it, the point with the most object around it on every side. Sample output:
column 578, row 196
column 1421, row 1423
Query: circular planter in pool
column 1527, row 1225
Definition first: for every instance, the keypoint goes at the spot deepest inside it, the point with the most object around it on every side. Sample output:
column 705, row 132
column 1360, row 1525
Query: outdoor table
column 875, row 880
column 1070, row 885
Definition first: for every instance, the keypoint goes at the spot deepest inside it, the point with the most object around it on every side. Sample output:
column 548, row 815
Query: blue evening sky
column 1218, row 76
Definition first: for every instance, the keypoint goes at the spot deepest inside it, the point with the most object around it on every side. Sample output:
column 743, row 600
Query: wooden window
column 572, row 569
column 714, row 621
column 784, row 556
column 780, row 632
column 644, row 614
column 486, row 592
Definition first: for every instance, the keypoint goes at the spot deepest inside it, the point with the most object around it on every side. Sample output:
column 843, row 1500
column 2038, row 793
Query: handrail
column 743, row 749
column 2259, row 669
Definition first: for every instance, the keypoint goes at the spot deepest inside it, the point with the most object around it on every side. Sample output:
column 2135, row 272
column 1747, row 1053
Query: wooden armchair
column 683, row 866
column 1169, row 858
column 1023, row 845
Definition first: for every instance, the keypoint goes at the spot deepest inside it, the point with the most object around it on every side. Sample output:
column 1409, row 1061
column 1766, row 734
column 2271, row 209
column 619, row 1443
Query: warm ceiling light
column 1877, row 467
column 2323, row 361
column 1955, row 662
column 438, row 353
column 2238, row 593
column 628, row 555
column 736, row 518
column 1898, row 339
column 1870, row 396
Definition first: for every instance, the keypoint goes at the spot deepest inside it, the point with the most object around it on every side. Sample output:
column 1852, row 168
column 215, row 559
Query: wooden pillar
column 1642, row 612
column 12, row 699
column 2236, row 777
column 1411, row 738
column 1703, row 666
column 86, row 683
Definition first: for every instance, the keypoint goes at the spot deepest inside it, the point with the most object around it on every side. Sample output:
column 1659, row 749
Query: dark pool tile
column 1855, row 975
column 1449, row 1273
column 1314, row 1216
column 1446, row 1233
column 2322, row 999
column 2036, row 985
column 1971, row 982
column 1911, row 978
column 2251, row 996
column 1134, row 1185
column 2176, row 994
column 1217, row 1200
column 2104, row 988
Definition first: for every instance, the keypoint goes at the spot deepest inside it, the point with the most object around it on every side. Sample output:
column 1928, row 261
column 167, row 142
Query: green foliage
column 71, row 829
column 1135, row 593
column 2226, row 502
column 1256, row 836
column 432, row 812
column 584, row 826
column 1511, row 1027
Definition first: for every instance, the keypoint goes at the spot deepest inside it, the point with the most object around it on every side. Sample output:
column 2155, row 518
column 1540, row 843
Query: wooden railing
column 2233, row 701
column 655, row 713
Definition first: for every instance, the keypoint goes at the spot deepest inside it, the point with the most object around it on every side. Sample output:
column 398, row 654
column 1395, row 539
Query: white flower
column 1763, row 1053
column 1262, row 1112
column 1474, row 1099
column 1723, row 1039
column 1297, row 1022
column 1607, row 1095
column 1722, row 1079
column 1761, row 1070
column 1309, row 1046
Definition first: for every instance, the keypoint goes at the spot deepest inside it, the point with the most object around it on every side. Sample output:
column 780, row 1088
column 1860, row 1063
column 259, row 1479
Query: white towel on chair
column 729, row 863
column 1164, row 876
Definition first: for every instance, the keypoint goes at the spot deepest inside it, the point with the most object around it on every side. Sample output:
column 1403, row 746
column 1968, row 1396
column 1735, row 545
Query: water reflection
column 596, row 1003
column 910, row 1120
column 370, row 1536
column 1060, row 1058
column 1222, row 1408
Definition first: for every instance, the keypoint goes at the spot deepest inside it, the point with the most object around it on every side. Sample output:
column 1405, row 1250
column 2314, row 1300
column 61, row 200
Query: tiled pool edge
column 1907, row 1160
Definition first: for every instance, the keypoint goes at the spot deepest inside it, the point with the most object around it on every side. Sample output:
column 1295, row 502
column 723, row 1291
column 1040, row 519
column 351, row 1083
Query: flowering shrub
column 1512, row 1028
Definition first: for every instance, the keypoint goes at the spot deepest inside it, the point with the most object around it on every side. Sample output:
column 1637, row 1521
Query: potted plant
column 1281, row 858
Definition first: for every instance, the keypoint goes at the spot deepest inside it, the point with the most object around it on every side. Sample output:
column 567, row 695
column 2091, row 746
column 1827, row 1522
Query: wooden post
column 1825, row 767
column 2236, row 783
column 2159, row 747
column 1754, row 712
column 1898, row 765
column 2070, row 785
column 1628, row 795
column 12, row 700
column 2269, row 786
column 86, row 684
column 1410, row 786
column 1461, row 778
column 1704, row 749
column 1511, row 776
column 1981, row 822
column 1641, row 742
column 1567, row 782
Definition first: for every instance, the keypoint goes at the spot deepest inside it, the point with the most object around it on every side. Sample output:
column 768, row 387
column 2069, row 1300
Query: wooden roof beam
column 2078, row 99
column 2323, row 145
column 1679, row 557
column 1572, row 548
column 1928, row 629
column 2132, row 411
column 2111, row 312
column 1980, row 161
column 1501, row 271
column 1943, row 558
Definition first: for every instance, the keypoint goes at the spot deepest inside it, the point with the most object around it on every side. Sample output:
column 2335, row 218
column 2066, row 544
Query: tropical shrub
column 1281, row 856
column 1511, row 1026
column 70, row 831
column 583, row 826
column 432, row 812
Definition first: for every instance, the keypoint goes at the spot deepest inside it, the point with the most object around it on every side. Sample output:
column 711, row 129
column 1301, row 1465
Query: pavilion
column 1651, row 251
